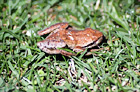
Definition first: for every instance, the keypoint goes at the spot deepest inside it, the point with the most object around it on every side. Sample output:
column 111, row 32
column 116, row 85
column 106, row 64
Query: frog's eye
column 64, row 25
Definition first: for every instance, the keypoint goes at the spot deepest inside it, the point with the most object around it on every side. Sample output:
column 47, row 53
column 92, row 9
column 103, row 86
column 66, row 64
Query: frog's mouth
column 95, row 43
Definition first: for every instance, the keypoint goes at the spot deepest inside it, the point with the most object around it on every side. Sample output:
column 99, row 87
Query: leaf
column 118, row 19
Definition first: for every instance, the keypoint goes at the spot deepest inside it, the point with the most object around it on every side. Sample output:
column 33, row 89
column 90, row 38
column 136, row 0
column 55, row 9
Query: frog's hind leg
column 95, row 43
column 53, row 28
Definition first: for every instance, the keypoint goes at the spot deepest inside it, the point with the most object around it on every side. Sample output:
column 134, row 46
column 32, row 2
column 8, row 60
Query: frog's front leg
column 65, row 53
column 78, row 49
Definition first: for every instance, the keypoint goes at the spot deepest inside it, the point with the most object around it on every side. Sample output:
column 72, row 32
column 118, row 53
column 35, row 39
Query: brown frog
column 62, row 35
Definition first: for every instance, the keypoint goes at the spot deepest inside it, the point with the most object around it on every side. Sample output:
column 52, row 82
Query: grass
column 24, row 67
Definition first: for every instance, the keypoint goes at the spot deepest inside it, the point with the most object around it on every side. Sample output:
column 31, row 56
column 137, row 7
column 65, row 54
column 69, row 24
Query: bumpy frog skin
column 62, row 35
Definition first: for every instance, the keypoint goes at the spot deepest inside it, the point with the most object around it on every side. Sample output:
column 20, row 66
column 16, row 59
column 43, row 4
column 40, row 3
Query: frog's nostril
column 39, row 44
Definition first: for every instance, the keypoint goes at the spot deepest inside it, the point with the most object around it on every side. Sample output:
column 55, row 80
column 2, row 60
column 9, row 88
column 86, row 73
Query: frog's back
column 86, row 37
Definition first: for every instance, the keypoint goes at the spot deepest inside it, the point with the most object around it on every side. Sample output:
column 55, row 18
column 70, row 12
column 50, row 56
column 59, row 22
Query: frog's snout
column 40, row 45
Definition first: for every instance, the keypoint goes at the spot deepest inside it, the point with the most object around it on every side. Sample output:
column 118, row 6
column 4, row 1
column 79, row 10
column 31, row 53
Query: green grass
column 24, row 67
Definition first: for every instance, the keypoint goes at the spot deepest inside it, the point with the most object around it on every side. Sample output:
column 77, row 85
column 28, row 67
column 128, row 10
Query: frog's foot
column 90, row 52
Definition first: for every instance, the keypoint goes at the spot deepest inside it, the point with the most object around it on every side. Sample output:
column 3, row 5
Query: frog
column 62, row 35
